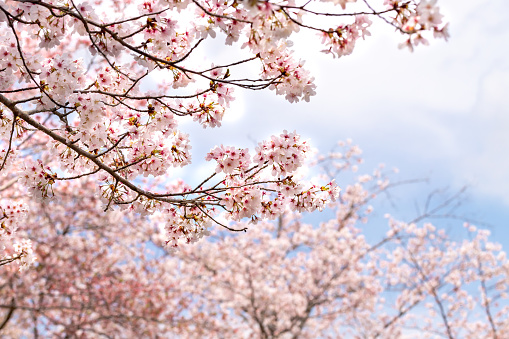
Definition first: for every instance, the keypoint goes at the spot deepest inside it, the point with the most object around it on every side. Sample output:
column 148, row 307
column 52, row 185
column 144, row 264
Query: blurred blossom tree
column 91, row 97
column 111, row 275
column 93, row 92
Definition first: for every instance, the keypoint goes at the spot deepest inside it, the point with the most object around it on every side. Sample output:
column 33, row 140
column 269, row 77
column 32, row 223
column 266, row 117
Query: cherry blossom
column 100, row 89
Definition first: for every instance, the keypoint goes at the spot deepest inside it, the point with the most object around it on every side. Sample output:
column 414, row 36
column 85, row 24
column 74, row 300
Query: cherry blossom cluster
column 38, row 178
column 9, row 160
column 59, row 78
column 189, row 226
column 159, row 154
column 12, row 247
column 283, row 154
column 9, row 62
column 242, row 202
column 11, row 215
column 341, row 41
column 415, row 19
column 245, row 191
column 99, row 90
column 24, row 253
column 316, row 197
column 229, row 159
column 295, row 83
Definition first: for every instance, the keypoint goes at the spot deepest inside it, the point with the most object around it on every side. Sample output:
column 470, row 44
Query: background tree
column 103, row 88
column 114, row 277
column 94, row 277
column 291, row 279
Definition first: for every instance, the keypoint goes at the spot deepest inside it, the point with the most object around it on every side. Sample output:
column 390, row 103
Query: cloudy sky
column 439, row 113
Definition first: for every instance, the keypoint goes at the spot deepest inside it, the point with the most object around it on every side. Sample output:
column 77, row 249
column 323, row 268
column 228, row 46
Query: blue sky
column 440, row 113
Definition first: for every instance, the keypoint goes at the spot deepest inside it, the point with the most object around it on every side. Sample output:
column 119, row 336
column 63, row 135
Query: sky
column 440, row 113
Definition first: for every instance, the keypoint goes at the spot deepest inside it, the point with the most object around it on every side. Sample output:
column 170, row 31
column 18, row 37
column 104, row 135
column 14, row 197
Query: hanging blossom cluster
column 425, row 16
column 99, row 90
column 341, row 41
column 250, row 186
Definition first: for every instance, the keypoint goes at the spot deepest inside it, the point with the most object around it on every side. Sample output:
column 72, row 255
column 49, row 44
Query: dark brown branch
column 12, row 308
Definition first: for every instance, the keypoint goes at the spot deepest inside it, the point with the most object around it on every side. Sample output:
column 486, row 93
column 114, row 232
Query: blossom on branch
column 99, row 91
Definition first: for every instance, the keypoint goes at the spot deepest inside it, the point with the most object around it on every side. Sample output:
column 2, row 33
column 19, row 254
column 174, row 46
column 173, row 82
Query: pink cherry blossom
column 98, row 91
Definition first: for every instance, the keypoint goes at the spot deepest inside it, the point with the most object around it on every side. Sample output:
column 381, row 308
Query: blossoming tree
column 97, row 90
column 111, row 275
